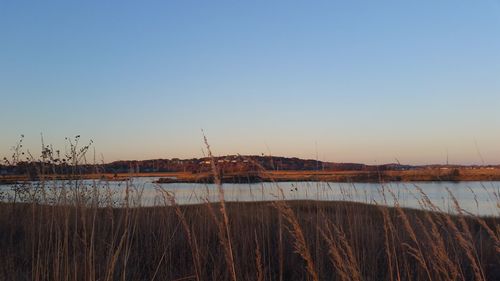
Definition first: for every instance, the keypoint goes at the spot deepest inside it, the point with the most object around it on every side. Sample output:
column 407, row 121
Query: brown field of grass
column 431, row 174
column 305, row 240
column 435, row 174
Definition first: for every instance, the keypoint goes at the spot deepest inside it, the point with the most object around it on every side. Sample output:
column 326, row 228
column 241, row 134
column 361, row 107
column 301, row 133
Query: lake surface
column 480, row 198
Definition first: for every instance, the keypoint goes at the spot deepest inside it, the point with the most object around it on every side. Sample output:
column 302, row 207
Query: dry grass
column 41, row 242
column 435, row 174
column 79, row 232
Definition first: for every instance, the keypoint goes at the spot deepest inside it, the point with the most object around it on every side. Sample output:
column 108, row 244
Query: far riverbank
column 416, row 175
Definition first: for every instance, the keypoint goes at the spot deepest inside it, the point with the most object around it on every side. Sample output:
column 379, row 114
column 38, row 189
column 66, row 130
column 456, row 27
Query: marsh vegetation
column 77, row 231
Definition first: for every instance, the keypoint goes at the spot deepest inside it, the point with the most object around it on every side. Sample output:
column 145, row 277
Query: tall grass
column 72, row 231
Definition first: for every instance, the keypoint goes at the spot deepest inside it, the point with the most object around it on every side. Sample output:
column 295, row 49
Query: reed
column 300, row 244
column 70, row 230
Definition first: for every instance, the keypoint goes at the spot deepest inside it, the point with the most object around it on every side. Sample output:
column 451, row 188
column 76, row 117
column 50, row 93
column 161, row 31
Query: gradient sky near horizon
column 343, row 81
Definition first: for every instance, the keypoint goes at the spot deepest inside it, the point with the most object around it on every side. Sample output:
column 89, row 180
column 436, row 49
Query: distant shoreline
column 434, row 174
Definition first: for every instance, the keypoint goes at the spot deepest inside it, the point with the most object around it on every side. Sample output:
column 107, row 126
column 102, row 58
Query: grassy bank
column 434, row 174
column 305, row 240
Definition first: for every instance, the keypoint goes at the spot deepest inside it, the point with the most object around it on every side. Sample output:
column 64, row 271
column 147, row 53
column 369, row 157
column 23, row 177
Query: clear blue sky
column 357, row 81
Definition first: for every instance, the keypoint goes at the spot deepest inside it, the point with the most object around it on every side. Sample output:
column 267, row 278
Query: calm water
column 480, row 198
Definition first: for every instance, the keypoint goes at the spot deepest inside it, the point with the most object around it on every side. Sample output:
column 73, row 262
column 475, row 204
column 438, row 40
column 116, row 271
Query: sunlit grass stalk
column 224, row 229
column 189, row 235
column 414, row 250
column 295, row 230
column 258, row 260
column 465, row 239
